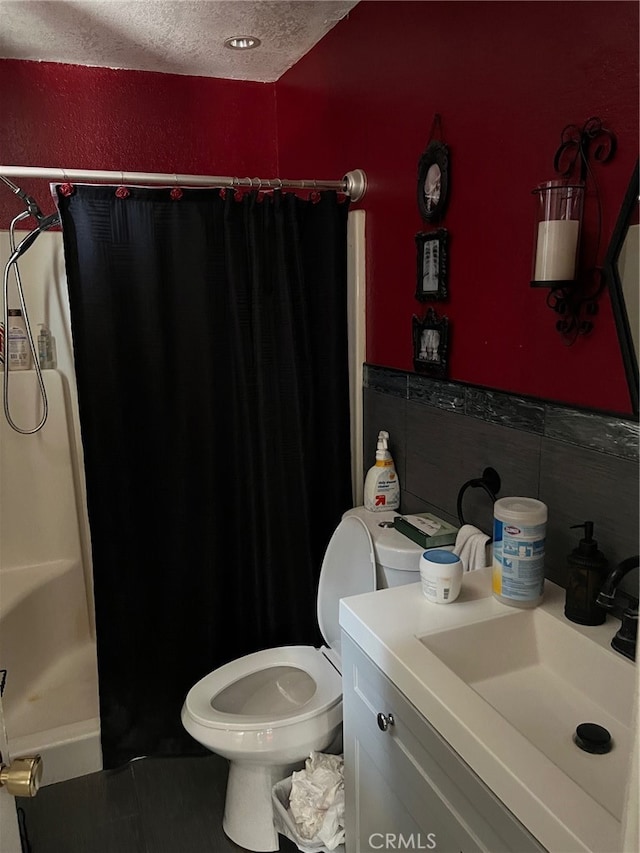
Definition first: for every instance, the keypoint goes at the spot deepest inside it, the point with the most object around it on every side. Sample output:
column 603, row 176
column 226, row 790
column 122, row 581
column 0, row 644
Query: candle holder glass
column 557, row 229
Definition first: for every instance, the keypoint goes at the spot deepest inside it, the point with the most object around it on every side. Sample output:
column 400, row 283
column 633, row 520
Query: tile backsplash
column 582, row 464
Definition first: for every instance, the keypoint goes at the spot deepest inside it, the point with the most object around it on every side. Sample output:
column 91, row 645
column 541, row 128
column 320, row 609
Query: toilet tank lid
column 392, row 549
column 348, row 568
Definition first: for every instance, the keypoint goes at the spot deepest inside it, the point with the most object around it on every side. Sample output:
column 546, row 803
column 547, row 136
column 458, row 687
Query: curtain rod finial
column 355, row 184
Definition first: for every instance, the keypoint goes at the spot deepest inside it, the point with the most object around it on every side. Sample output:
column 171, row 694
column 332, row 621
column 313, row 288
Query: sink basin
column 506, row 689
column 544, row 676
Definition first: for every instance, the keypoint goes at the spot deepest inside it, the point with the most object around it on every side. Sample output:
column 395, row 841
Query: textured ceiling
column 181, row 37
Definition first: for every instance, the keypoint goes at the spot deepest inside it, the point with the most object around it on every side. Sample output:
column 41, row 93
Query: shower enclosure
column 47, row 629
column 47, row 639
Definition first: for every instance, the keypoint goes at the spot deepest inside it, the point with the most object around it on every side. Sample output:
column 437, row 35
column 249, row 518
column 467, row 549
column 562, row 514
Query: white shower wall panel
column 37, row 492
column 47, row 638
column 44, row 282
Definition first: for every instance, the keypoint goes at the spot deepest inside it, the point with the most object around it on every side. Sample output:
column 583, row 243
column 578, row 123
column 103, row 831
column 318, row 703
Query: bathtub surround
column 582, row 464
column 209, row 392
column 46, row 645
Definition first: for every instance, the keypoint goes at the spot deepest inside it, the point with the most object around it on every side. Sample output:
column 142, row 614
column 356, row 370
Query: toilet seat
column 328, row 689
column 348, row 568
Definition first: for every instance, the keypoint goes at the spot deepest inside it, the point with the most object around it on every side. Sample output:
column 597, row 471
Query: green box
column 426, row 530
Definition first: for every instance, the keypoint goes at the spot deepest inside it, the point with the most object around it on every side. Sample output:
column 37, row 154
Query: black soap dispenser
column 587, row 572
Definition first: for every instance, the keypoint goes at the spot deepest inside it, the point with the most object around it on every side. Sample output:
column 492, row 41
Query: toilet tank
column 397, row 557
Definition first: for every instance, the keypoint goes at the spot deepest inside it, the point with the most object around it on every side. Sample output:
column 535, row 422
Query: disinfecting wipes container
column 519, row 531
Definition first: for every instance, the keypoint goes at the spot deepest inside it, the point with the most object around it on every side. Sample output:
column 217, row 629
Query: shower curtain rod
column 354, row 183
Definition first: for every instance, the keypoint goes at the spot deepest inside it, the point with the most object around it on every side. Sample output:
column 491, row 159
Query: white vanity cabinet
column 406, row 788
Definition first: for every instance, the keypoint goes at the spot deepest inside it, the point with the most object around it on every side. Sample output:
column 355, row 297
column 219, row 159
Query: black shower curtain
column 210, row 343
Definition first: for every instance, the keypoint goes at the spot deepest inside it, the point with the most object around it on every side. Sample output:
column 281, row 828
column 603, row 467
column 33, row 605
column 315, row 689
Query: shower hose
column 13, row 262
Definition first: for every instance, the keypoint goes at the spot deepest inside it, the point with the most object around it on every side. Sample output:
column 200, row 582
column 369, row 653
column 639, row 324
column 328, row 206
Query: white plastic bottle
column 381, row 487
column 18, row 350
column 441, row 575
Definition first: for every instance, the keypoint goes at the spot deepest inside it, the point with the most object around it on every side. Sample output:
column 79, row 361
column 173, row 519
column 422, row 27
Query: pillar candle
column 556, row 250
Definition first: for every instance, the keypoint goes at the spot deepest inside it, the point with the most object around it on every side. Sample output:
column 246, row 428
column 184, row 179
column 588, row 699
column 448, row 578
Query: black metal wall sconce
column 573, row 290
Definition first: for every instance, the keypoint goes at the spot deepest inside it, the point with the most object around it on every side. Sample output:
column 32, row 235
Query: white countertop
column 387, row 625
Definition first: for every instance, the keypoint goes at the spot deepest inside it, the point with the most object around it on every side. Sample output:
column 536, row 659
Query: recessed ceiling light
column 242, row 42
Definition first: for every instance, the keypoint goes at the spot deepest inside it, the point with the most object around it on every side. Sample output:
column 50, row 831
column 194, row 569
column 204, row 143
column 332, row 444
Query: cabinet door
column 405, row 787
column 377, row 818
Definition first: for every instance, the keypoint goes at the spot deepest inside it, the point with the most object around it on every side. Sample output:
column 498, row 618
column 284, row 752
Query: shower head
column 30, row 202
column 43, row 222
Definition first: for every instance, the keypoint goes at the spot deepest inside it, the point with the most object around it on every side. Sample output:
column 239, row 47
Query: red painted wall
column 98, row 118
column 506, row 78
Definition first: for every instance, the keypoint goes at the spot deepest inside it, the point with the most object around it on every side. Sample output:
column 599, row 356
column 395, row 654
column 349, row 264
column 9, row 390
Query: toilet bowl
column 268, row 705
column 265, row 712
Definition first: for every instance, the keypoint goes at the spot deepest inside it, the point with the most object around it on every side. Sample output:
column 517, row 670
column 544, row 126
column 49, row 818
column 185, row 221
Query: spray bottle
column 46, row 351
column 381, row 487
column 18, row 350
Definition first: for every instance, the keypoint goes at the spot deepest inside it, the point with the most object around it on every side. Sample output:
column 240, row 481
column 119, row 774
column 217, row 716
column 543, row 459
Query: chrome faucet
column 626, row 638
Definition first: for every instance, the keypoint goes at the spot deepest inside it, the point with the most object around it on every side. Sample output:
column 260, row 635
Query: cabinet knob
column 384, row 721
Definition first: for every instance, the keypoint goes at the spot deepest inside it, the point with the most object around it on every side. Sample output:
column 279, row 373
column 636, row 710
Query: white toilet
column 267, row 711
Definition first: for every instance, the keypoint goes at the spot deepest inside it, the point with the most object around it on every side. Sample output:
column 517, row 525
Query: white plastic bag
column 316, row 802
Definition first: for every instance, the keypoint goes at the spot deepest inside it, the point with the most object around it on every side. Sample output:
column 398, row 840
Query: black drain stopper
column 593, row 738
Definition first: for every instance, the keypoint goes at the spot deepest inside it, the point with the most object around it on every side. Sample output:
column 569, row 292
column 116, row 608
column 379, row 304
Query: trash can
column 285, row 824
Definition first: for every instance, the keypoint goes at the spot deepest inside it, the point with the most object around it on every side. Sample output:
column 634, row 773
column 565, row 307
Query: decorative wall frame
column 431, row 344
column 432, row 265
column 621, row 274
column 433, row 181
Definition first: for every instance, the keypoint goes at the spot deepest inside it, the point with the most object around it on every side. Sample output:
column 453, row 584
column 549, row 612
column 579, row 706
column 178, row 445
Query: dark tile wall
column 583, row 465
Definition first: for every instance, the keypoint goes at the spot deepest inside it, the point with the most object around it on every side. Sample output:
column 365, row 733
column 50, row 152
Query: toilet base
column 248, row 808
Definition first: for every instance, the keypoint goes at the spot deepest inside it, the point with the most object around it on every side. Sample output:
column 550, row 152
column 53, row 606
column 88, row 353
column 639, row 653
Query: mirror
column 621, row 268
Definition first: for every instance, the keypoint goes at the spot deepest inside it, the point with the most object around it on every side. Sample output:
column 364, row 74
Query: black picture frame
column 433, row 182
column 431, row 344
column 432, row 283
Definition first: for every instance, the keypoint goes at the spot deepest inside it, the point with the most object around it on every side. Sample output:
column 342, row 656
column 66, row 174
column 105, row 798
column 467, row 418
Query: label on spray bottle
column 387, row 491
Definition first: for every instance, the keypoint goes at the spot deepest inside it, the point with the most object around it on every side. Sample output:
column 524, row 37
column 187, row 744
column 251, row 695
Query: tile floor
column 154, row 805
